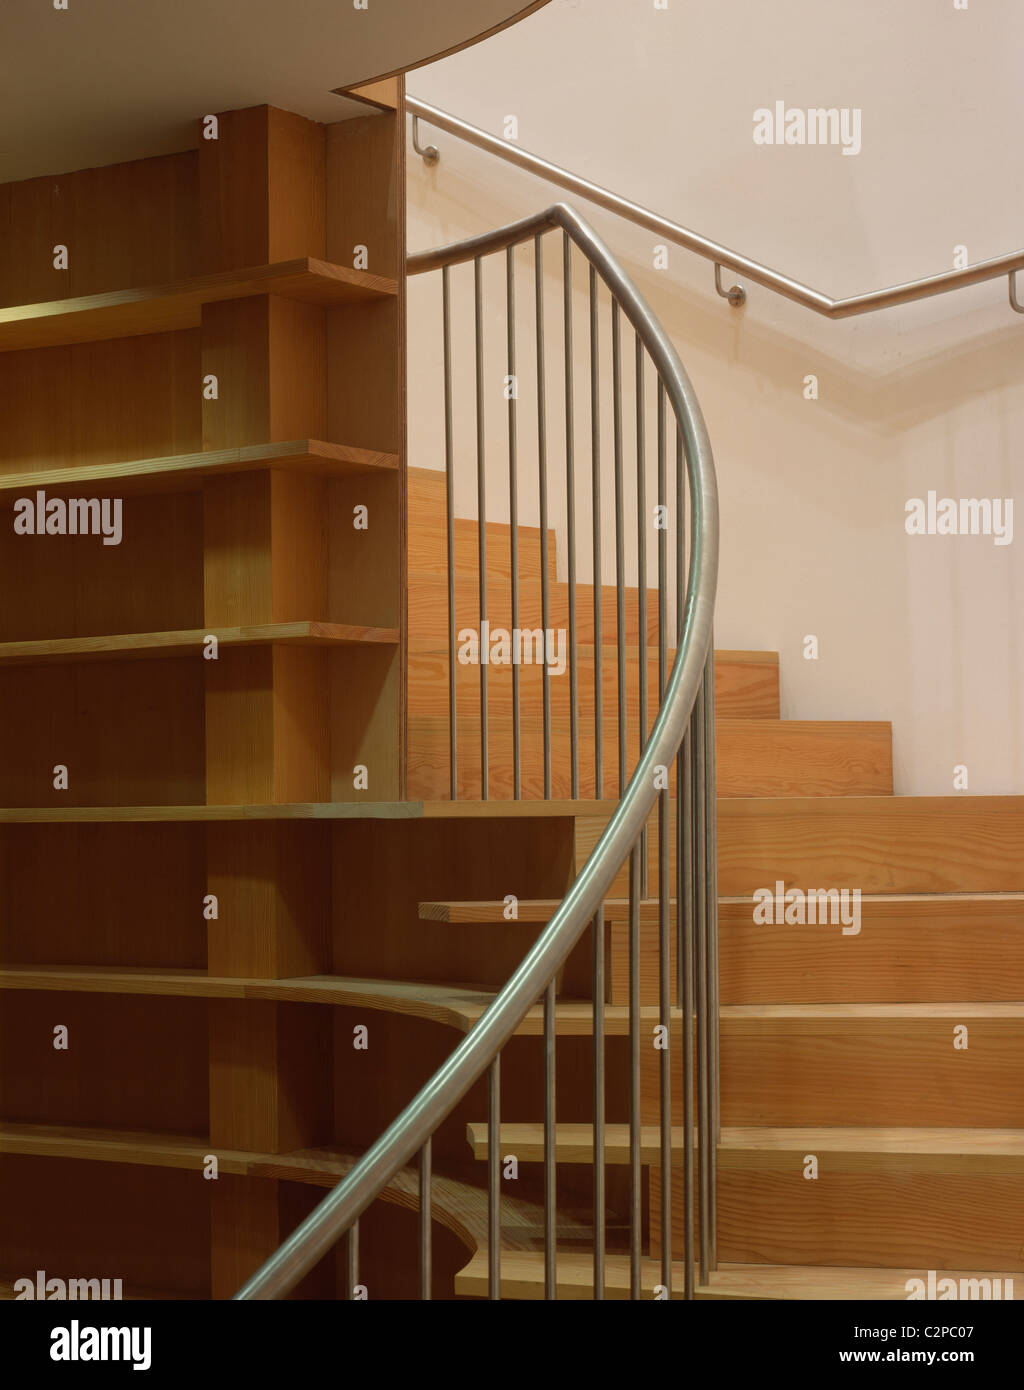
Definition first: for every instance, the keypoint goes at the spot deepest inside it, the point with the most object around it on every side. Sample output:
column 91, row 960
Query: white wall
column 658, row 105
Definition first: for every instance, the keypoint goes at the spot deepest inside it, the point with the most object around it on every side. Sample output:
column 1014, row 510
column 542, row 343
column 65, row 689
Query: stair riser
column 880, row 845
column 741, row 691
column 893, row 1216
column 867, row 1071
column 428, row 609
column 753, row 757
column 903, row 953
column 428, row 550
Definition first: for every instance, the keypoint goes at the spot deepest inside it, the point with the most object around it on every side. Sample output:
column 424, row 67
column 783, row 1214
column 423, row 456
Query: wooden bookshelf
column 220, row 369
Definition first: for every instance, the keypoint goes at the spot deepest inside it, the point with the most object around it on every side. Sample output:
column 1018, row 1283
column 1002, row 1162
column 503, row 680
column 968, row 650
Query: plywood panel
column 381, row 875
column 124, row 895
column 125, row 731
column 269, row 1075
column 366, row 728
column 273, row 887
column 267, row 731
column 245, row 1230
column 76, row 586
column 364, row 396
column 237, row 578
column 149, row 1227
column 100, row 403
column 297, row 368
column 131, row 1062
column 262, row 189
column 363, row 171
column 365, row 562
column 123, row 224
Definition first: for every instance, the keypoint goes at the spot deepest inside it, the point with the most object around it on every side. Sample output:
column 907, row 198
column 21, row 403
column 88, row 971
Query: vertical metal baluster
column 620, row 558
column 711, row 879
column 684, row 899
column 481, row 508
column 635, row 1178
column 425, row 1228
column 664, row 963
column 701, row 977
column 599, row 1184
column 352, row 1260
column 641, row 570
column 513, row 506
column 550, row 1156
column 494, row 1179
column 595, row 450
column 570, row 514
column 449, row 465
column 542, row 485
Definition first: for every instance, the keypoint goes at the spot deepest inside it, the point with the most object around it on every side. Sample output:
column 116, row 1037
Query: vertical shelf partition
column 194, row 362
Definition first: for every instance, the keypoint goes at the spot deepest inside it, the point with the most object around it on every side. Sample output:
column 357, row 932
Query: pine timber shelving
column 186, row 472
column 211, row 359
column 170, row 308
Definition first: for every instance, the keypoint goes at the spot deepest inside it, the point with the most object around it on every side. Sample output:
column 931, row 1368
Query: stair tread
column 523, row 1275
column 491, row 910
column 1008, row 1008
column 574, row 1142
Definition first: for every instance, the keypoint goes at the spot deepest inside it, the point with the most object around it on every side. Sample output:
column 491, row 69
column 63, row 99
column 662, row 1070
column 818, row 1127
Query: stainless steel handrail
column 887, row 298
column 339, row 1212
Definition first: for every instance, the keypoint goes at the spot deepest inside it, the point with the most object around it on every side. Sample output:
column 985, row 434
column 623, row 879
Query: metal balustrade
column 722, row 257
column 679, row 745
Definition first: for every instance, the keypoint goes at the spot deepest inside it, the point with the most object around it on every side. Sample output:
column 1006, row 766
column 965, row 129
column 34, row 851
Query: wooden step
column 428, row 536
column 428, row 609
column 943, row 1151
column 933, row 1197
column 865, row 1064
column 911, row 948
column 742, row 690
column 522, row 1277
column 574, row 1143
column 186, row 472
column 168, row 308
column 121, row 646
column 936, row 1198
column 901, row 844
column 755, row 757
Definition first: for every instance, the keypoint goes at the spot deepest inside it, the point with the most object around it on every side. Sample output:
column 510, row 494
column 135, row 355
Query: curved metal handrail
column 789, row 288
column 343, row 1206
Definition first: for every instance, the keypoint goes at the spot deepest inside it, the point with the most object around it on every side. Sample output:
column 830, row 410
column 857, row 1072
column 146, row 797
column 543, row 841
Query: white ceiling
column 110, row 80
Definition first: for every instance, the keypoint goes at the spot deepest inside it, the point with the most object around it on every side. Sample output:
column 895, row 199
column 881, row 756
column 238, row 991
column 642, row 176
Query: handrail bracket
column 736, row 294
column 430, row 153
column 1015, row 304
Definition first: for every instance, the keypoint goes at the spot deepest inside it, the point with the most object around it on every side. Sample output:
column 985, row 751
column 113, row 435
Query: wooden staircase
column 844, row 1049
column 241, row 923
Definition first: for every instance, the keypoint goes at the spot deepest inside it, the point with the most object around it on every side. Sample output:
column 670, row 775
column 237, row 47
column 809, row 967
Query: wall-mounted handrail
column 682, row 738
column 713, row 251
